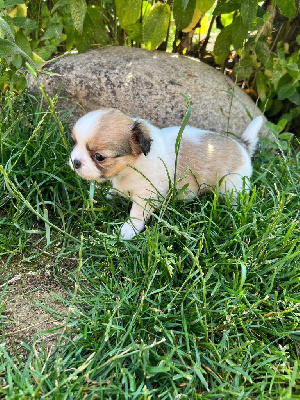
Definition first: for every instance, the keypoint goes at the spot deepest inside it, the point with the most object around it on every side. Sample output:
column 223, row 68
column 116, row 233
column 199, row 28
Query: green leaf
column 146, row 7
column 46, row 14
column 70, row 32
column 38, row 61
column 93, row 31
column 84, row 40
column 295, row 98
column 239, row 33
column 233, row 34
column 23, row 43
column 78, row 11
column 25, row 23
column 183, row 17
column 97, row 25
column 292, row 66
column 17, row 61
column 10, row 3
column 205, row 5
column 286, row 91
column 260, row 12
column 223, row 41
column 8, row 48
column 245, row 67
column 264, row 55
column 155, row 25
column 135, row 32
column 281, row 124
column 261, row 86
column 248, row 11
column 283, row 145
column 53, row 31
column 46, row 51
column 226, row 19
column 293, row 70
column 188, row 15
column 273, row 128
column 227, row 6
column 287, row 8
column 128, row 11
column 60, row 4
column 288, row 136
column 298, row 39
column 5, row 28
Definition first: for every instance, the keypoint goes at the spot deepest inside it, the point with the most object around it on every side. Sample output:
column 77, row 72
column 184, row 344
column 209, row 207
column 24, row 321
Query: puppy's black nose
column 77, row 164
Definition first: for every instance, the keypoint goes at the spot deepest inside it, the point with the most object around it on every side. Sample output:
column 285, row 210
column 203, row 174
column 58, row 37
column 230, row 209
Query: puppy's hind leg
column 233, row 184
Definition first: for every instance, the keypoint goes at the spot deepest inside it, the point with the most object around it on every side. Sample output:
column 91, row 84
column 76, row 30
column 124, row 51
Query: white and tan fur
column 135, row 156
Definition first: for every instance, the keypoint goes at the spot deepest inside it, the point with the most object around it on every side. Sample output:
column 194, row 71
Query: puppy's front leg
column 138, row 215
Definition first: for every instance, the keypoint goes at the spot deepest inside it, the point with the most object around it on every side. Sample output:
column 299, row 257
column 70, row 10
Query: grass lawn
column 205, row 304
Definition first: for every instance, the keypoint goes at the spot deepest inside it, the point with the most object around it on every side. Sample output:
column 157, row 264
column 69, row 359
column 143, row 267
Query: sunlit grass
column 202, row 305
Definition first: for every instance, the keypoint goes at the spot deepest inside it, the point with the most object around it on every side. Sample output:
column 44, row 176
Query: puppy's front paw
column 110, row 194
column 127, row 231
column 130, row 230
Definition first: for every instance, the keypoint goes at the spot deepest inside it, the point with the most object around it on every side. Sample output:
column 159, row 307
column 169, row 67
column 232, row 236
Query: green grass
column 205, row 304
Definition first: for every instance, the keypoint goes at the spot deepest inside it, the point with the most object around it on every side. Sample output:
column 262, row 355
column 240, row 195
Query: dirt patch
column 33, row 303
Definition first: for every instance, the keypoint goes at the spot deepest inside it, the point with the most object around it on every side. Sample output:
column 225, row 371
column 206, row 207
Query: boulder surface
column 148, row 84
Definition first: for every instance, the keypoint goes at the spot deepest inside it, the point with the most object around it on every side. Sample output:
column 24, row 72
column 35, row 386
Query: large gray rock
column 148, row 85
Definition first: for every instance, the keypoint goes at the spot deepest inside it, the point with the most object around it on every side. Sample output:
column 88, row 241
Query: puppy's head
column 106, row 142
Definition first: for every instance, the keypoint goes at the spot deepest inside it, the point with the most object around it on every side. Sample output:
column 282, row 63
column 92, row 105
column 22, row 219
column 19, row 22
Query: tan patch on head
column 209, row 159
column 111, row 134
column 113, row 137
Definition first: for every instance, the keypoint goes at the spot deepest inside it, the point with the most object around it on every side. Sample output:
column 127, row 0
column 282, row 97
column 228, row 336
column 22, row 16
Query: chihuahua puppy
column 139, row 160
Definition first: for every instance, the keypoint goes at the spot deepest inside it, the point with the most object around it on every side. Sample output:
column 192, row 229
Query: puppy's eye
column 99, row 157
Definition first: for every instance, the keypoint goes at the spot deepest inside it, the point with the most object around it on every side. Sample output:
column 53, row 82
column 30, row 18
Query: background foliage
column 255, row 43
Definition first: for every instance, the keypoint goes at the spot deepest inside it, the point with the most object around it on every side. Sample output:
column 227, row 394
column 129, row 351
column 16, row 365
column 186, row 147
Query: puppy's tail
column 250, row 137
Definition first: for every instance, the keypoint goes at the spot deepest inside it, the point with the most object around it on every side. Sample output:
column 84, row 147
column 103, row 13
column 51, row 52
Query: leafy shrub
column 259, row 41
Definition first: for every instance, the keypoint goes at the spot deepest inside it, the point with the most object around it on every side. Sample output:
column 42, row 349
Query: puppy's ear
column 140, row 138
